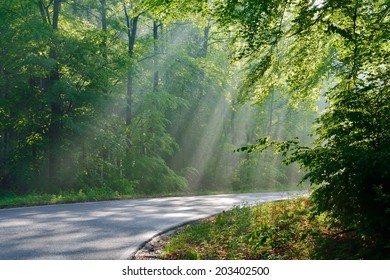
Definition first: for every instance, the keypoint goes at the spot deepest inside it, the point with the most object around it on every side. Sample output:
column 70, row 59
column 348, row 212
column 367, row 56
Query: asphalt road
column 105, row 230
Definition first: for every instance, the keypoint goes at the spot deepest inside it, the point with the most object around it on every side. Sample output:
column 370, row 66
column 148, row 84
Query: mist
column 139, row 105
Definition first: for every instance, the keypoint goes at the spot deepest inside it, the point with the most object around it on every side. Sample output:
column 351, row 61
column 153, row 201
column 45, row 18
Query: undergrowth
column 278, row 230
column 119, row 190
column 82, row 195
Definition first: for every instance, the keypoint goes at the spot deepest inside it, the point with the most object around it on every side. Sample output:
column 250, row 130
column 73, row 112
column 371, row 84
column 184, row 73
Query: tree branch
column 146, row 57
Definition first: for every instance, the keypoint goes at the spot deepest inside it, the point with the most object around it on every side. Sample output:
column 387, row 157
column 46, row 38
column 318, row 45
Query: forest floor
column 278, row 230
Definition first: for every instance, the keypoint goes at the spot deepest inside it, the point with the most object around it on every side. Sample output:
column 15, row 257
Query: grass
column 82, row 195
column 278, row 230
column 275, row 231
column 10, row 199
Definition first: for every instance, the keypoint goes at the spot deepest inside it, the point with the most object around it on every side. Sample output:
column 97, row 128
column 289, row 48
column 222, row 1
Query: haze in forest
column 131, row 98
column 117, row 96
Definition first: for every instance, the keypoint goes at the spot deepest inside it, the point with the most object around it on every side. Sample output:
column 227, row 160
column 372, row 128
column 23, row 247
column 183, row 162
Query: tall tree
column 60, row 84
column 156, row 54
column 343, row 44
column 54, row 131
column 132, row 17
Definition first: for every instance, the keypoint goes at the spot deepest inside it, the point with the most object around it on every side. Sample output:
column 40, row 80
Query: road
column 108, row 230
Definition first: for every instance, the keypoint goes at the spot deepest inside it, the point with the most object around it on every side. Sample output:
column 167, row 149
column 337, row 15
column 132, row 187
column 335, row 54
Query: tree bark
column 271, row 112
column 131, row 24
column 55, row 125
column 56, row 13
column 206, row 36
column 103, row 13
column 156, row 53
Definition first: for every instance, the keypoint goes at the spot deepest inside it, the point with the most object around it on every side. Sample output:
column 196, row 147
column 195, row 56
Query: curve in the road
column 106, row 230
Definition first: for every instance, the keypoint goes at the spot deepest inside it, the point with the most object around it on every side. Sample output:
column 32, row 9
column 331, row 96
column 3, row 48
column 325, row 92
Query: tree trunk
column 271, row 112
column 156, row 53
column 103, row 13
column 55, row 124
column 54, row 142
column 206, row 36
column 56, row 13
column 204, row 49
column 131, row 24
column 5, row 136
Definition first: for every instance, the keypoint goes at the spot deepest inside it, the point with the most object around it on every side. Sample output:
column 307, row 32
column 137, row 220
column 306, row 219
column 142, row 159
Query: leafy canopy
column 339, row 49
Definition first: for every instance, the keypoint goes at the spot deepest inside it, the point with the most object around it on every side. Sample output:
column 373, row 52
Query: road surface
column 108, row 230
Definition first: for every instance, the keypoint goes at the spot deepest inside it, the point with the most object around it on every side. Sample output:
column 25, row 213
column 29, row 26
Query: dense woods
column 153, row 97
column 130, row 96
column 341, row 47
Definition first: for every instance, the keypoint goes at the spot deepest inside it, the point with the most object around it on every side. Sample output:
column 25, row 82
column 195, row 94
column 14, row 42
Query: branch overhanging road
column 106, row 230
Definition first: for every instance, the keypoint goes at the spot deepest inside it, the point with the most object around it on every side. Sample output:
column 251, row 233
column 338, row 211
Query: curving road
column 105, row 230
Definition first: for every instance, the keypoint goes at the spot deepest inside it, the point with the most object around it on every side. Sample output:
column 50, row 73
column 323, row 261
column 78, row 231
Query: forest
column 125, row 96
column 172, row 96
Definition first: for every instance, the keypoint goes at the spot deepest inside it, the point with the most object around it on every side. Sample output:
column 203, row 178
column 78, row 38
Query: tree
column 131, row 17
column 343, row 42
column 60, row 85
column 95, row 94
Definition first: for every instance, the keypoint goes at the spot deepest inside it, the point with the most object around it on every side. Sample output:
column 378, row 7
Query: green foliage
column 59, row 79
column 69, row 196
column 64, row 103
column 223, row 237
column 122, row 186
column 278, row 230
column 144, row 169
column 342, row 44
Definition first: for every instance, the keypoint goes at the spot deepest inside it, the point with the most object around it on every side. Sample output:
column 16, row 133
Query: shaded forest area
column 153, row 97
column 130, row 96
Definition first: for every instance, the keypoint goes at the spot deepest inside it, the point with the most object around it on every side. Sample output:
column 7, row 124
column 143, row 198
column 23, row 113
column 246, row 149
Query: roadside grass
column 88, row 194
column 283, row 230
column 83, row 195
